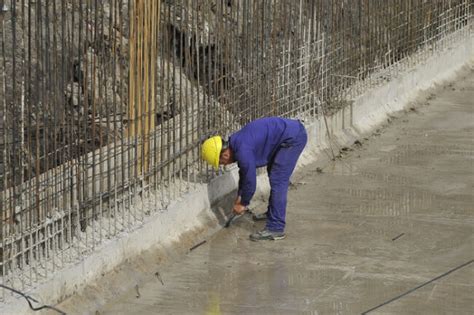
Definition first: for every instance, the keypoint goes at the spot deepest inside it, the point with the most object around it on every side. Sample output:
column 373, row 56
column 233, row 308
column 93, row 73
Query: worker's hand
column 238, row 207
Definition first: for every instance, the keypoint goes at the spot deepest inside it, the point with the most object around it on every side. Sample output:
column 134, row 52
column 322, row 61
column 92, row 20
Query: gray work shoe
column 259, row 216
column 267, row 235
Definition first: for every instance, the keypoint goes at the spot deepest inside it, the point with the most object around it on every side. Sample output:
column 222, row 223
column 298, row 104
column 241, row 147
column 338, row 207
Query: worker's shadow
column 222, row 200
column 222, row 210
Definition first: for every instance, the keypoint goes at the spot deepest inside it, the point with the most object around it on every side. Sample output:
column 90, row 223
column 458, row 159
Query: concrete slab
column 390, row 215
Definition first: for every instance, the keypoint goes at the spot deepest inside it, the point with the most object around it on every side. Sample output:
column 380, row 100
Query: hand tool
column 234, row 216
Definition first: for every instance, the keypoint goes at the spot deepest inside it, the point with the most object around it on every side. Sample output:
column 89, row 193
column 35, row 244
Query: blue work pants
column 279, row 170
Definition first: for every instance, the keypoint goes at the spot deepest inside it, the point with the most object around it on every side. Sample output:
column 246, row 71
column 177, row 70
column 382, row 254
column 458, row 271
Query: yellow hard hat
column 211, row 151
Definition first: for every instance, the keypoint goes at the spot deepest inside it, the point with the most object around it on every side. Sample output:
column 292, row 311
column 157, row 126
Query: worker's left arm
column 247, row 178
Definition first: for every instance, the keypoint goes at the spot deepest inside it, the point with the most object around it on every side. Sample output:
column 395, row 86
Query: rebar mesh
column 104, row 103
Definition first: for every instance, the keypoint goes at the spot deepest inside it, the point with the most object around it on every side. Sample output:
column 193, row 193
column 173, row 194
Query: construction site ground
column 387, row 228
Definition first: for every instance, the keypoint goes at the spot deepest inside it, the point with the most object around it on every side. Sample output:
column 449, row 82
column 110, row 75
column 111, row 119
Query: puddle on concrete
column 393, row 179
column 342, row 168
column 415, row 154
column 388, row 148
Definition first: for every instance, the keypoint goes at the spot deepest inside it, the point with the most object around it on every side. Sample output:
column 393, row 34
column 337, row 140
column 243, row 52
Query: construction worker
column 273, row 142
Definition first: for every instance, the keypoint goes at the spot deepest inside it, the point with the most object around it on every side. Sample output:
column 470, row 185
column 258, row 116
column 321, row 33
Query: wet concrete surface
column 390, row 215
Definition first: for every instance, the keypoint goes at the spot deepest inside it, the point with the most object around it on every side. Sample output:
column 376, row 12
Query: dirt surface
column 394, row 213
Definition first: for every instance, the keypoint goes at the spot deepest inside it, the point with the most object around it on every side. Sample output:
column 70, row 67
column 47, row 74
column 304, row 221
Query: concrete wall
column 201, row 213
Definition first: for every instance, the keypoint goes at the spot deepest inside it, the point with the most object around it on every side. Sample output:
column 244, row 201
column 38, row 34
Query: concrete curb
column 192, row 217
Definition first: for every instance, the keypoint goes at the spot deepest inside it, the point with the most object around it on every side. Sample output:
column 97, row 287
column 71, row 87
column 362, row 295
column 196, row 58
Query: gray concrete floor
column 412, row 180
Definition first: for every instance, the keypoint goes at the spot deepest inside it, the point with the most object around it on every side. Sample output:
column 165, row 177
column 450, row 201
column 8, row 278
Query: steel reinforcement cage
column 103, row 103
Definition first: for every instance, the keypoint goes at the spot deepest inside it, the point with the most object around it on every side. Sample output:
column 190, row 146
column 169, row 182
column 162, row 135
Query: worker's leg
column 279, row 173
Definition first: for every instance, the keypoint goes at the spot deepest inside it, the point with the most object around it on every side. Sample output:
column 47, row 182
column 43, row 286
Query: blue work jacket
column 255, row 145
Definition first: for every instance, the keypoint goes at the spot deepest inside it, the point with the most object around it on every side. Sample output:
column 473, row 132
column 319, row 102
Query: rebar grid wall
column 105, row 102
